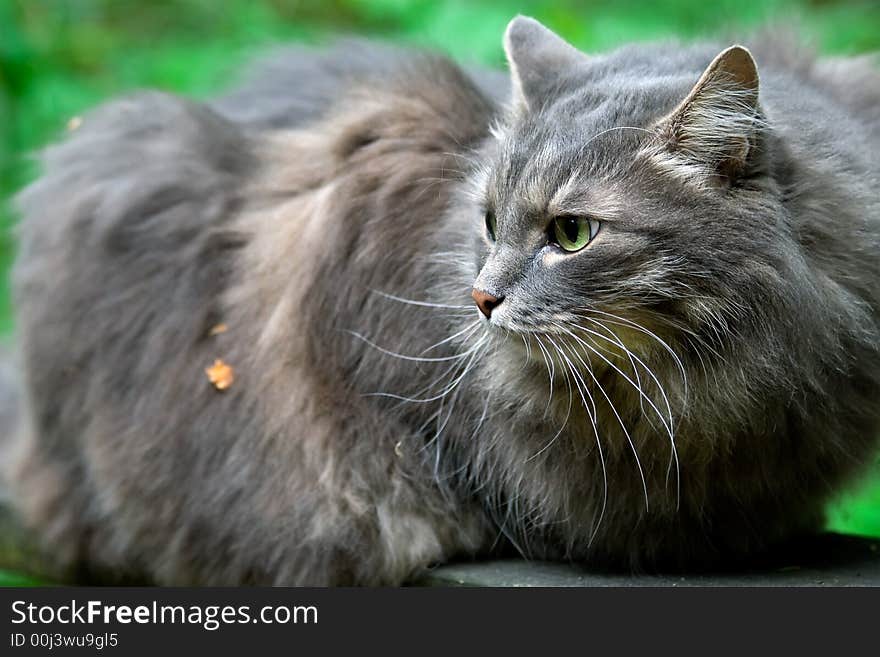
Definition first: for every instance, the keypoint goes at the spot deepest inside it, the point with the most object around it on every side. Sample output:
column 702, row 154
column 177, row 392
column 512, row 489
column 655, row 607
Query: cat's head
column 632, row 184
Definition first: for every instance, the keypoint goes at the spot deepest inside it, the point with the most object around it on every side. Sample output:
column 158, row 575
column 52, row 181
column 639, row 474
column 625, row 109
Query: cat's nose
column 485, row 301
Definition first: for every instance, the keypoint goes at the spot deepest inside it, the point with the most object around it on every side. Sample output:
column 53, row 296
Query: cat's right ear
column 536, row 56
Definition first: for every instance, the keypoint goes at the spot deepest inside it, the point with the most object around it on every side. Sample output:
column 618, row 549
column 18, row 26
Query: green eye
column 574, row 233
column 490, row 224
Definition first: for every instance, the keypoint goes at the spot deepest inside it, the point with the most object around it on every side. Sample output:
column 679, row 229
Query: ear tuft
column 737, row 63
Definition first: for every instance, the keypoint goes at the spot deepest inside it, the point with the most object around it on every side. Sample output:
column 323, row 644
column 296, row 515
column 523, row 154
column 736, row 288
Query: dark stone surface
column 823, row 560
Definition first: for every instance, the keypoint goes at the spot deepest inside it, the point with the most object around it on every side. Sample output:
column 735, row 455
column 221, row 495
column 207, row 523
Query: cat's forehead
column 585, row 138
column 538, row 159
column 553, row 177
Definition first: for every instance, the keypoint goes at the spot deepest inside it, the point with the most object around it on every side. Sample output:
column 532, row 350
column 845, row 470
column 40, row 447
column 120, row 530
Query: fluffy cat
column 622, row 310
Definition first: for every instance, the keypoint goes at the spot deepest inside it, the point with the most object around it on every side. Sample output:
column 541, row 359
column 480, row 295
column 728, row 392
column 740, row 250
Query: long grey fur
column 329, row 212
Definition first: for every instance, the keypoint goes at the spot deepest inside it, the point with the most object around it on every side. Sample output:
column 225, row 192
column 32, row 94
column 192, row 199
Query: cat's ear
column 716, row 125
column 536, row 57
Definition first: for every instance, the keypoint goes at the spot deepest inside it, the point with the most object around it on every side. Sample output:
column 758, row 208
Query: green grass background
column 60, row 57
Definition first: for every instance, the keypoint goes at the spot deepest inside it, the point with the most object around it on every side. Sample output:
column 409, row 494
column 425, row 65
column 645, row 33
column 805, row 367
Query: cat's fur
column 306, row 207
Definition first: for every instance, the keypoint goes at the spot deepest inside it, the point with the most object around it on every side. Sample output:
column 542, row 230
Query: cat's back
column 151, row 175
column 827, row 108
column 851, row 84
column 294, row 85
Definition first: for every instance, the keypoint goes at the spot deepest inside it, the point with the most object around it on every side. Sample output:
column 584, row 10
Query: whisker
column 414, row 302
column 548, row 362
column 615, row 340
column 642, row 394
column 614, row 129
column 418, row 359
column 564, row 421
column 473, row 436
column 581, row 386
column 621, row 321
column 619, row 420
column 472, row 352
column 673, row 456
column 468, row 330
column 528, row 355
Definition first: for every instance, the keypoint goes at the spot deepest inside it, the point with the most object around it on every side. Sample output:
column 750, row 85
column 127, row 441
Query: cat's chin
column 541, row 354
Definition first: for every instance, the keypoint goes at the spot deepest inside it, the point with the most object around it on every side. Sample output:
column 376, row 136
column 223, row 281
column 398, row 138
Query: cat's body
column 299, row 207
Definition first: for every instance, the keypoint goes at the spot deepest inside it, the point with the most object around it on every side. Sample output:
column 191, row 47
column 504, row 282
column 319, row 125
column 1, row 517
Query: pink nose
column 485, row 301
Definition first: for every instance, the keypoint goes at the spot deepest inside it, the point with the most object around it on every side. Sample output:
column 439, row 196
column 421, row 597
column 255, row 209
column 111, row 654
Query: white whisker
column 467, row 330
column 548, row 362
column 414, row 302
column 584, row 392
column 419, row 359
column 666, row 421
column 472, row 352
column 619, row 420
column 621, row 321
column 670, row 429
column 567, row 413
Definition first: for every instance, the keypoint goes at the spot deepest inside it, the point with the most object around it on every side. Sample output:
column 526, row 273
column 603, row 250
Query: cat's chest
column 557, row 406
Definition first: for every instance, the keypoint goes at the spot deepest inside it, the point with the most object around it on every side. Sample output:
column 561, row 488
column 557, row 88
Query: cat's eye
column 573, row 233
column 490, row 224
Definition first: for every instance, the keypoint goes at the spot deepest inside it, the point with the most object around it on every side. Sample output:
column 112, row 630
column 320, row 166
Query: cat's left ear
column 716, row 125
column 537, row 57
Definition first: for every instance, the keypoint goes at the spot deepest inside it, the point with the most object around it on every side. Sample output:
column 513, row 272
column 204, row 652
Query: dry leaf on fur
column 220, row 374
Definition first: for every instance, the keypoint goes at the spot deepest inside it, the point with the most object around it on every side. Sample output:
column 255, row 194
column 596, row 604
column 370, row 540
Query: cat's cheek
column 551, row 256
column 482, row 251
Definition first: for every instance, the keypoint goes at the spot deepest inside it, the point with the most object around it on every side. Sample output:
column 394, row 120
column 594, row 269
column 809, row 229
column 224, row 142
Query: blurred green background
column 60, row 57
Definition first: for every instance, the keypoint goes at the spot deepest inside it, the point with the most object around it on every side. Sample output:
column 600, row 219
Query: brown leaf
column 220, row 374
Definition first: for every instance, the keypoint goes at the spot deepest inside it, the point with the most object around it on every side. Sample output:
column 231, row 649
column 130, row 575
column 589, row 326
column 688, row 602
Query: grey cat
column 622, row 310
